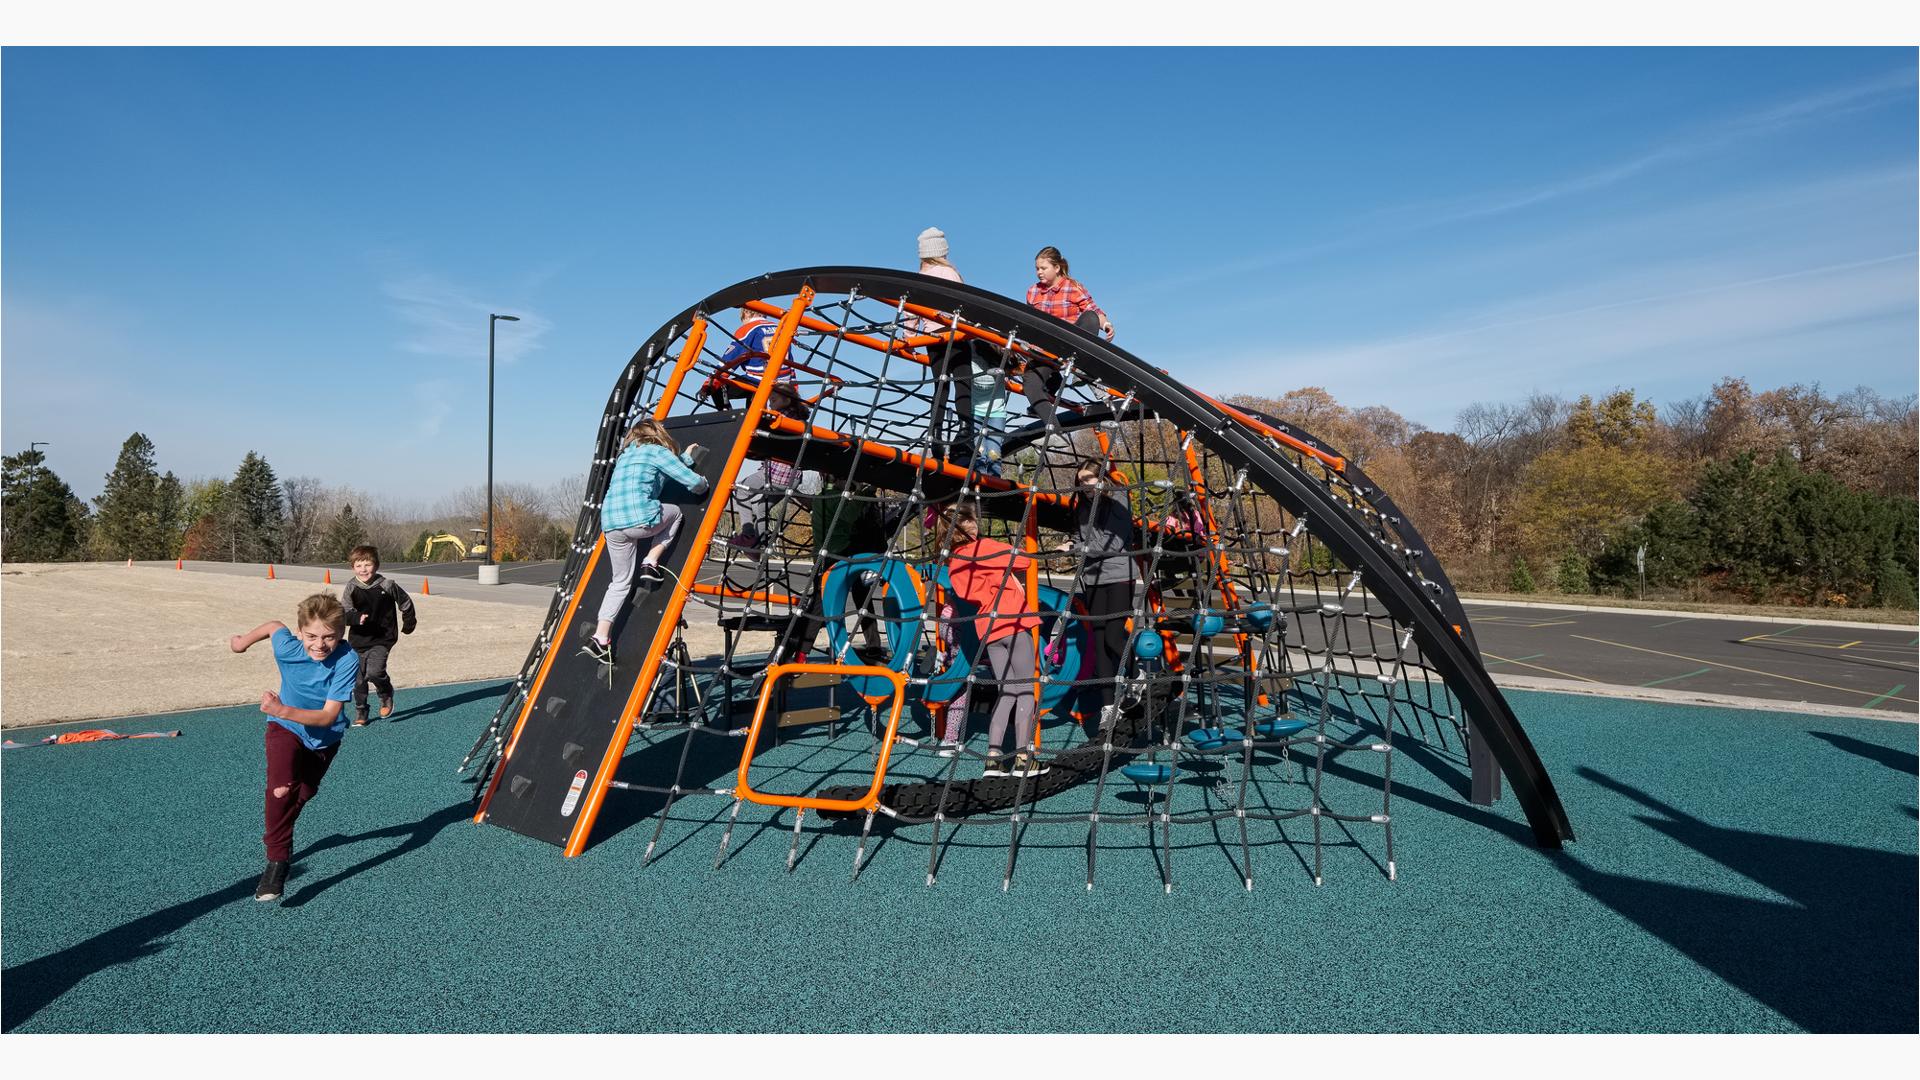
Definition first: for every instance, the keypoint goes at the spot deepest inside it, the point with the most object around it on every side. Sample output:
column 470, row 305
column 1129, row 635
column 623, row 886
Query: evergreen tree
column 1522, row 580
column 41, row 520
column 1571, row 577
column 1675, row 553
column 1893, row 586
column 135, row 517
column 255, row 511
column 170, row 506
column 344, row 533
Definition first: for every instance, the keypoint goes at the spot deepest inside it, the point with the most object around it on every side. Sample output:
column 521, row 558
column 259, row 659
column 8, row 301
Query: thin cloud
column 1645, row 338
column 432, row 404
column 1868, row 94
column 445, row 320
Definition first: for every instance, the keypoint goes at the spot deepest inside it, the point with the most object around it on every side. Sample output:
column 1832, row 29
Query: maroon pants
column 292, row 766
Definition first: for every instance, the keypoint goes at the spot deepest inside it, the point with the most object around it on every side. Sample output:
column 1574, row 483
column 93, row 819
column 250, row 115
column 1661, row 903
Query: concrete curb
column 1712, row 616
column 1683, row 697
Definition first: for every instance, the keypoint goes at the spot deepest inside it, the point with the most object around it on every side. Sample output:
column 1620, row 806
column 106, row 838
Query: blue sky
column 294, row 251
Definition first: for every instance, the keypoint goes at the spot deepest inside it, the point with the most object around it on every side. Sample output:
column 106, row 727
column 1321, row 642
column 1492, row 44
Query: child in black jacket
column 378, row 612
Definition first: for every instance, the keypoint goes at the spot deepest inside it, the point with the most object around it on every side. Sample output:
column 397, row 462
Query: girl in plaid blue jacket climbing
column 633, row 513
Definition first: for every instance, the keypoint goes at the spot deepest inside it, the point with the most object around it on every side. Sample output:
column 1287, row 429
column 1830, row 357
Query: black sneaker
column 272, row 883
column 1028, row 764
column 651, row 576
column 602, row 653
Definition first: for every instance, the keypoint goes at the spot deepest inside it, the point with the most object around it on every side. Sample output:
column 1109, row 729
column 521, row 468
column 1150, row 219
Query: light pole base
column 489, row 573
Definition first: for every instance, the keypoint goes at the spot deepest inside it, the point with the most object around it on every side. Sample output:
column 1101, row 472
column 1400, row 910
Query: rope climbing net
column 949, row 508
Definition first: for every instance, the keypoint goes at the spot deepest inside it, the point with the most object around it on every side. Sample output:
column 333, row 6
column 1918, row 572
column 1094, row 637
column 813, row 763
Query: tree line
column 1787, row 496
column 256, row 516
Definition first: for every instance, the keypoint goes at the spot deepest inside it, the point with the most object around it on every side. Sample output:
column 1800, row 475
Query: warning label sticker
column 573, row 793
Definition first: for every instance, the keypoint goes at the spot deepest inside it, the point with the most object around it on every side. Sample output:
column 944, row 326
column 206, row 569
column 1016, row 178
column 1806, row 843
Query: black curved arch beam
column 1445, row 595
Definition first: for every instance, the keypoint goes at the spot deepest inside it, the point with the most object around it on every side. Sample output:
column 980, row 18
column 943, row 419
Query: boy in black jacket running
column 372, row 603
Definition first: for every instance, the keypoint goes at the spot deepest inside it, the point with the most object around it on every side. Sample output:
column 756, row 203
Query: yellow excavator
column 475, row 551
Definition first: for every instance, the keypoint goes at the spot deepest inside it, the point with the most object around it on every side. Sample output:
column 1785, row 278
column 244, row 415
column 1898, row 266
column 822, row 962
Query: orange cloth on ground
column 103, row 735
column 992, row 576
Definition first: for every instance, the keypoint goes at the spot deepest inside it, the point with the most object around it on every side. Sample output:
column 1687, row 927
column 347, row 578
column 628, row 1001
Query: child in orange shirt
column 992, row 576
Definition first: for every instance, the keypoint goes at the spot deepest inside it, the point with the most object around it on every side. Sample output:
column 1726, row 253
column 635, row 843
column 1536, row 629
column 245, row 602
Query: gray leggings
column 623, row 545
column 1010, row 663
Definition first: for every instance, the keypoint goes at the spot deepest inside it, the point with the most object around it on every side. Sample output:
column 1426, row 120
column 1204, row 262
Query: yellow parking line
column 1537, row 667
column 1734, row 667
column 1801, row 641
column 1858, row 656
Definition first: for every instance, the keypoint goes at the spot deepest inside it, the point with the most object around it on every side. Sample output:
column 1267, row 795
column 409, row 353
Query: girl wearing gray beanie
column 969, row 369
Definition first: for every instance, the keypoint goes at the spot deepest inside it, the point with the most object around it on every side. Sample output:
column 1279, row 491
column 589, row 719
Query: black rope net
column 1260, row 692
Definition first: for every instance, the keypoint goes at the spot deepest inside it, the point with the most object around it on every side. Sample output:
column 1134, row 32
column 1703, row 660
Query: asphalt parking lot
column 1825, row 663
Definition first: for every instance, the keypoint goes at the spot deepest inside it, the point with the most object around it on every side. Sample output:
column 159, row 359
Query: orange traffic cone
column 328, row 580
column 179, row 564
column 269, row 571
column 424, row 591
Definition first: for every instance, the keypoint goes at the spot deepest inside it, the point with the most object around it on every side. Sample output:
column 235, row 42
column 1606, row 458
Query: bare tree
column 563, row 497
column 308, row 511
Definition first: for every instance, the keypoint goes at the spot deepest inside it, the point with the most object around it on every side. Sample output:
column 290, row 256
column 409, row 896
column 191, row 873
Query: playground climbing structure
column 1289, row 636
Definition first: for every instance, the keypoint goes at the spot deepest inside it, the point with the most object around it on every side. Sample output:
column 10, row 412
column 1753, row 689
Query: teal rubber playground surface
column 1735, row 872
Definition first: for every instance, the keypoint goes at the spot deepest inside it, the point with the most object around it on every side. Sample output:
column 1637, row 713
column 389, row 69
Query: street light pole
column 33, row 481
column 491, row 576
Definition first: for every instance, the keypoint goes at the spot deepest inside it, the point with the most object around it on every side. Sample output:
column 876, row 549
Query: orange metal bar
column 705, row 589
column 696, row 337
column 676, row 602
column 790, row 426
column 744, row 790
column 540, row 679
column 898, row 348
column 1217, row 557
column 1032, row 540
column 1337, row 464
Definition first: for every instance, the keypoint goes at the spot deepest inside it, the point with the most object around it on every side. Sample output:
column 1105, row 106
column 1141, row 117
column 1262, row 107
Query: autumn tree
column 1570, row 499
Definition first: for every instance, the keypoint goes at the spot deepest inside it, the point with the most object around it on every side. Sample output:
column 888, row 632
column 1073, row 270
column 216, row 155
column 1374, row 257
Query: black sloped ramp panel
column 571, row 717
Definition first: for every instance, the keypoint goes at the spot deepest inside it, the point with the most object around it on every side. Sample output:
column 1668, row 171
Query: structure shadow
column 1838, row 955
column 38, row 983
column 415, row 835
column 1897, row 760
column 453, row 701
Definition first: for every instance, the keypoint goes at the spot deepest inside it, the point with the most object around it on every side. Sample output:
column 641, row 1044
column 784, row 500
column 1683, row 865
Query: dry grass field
column 90, row 641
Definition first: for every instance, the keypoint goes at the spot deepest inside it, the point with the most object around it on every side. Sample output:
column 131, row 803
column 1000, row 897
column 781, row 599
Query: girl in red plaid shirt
column 1067, row 300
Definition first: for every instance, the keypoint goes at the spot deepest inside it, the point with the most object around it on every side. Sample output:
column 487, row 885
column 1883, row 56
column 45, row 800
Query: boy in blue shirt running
column 307, row 717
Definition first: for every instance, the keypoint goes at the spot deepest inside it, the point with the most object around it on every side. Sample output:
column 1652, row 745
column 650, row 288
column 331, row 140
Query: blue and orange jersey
column 747, row 356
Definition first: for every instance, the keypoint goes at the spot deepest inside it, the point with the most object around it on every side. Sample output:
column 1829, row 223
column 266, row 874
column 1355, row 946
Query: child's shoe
column 360, row 720
column 651, row 576
column 599, row 650
column 1028, row 765
column 947, row 750
column 272, row 883
column 996, row 766
column 386, row 706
